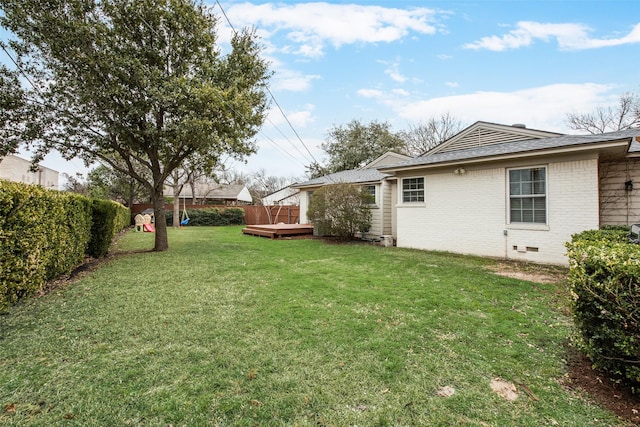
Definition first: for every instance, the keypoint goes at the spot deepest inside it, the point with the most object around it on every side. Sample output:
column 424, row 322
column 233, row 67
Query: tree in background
column 340, row 210
column 12, row 111
column 136, row 84
column 104, row 182
column 261, row 184
column 625, row 115
column 355, row 144
column 75, row 184
column 427, row 135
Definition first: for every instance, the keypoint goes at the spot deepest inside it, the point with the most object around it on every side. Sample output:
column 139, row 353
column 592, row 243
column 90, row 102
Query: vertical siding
column 618, row 206
column 468, row 213
column 386, row 204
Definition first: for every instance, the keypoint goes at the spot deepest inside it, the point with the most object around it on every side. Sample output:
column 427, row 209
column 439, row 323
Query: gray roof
column 353, row 176
column 530, row 145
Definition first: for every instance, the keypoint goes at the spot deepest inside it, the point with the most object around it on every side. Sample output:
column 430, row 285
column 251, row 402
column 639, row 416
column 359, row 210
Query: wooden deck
column 275, row 231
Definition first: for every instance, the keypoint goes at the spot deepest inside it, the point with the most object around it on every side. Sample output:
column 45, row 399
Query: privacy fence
column 253, row 215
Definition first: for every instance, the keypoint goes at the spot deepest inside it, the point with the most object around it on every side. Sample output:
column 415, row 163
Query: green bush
column 213, row 217
column 44, row 234
column 605, row 283
column 108, row 218
column 340, row 210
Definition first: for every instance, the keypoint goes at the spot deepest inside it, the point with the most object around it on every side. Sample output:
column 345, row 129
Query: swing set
column 184, row 220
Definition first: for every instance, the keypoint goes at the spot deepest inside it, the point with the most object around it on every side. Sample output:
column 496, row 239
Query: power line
column 274, row 99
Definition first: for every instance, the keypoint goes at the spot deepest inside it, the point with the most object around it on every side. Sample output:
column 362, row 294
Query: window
column 528, row 195
column 412, row 190
column 371, row 191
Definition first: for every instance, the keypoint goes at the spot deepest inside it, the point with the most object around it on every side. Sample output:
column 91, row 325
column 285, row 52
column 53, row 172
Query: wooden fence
column 253, row 214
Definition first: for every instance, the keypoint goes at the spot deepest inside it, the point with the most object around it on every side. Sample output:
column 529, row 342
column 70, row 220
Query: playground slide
column 149, row 227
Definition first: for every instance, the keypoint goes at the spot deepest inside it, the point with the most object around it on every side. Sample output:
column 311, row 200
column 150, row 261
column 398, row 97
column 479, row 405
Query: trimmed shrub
column 108, row 218
column 605, row 283
column 45, row 234
column 213, row 217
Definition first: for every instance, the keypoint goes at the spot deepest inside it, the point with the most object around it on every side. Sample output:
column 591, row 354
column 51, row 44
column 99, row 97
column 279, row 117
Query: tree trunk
column 162, row 241
column 176, row 209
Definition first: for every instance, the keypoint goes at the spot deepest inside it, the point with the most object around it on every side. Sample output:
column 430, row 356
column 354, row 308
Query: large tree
column 355, row 144
column 136, row 83
column 12, row 111
column 625, row 115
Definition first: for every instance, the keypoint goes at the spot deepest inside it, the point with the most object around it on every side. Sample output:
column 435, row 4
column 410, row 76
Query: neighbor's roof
column 519, row 147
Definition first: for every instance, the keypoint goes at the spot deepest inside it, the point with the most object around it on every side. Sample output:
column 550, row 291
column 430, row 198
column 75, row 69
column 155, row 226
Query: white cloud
column 451, row 84
column 568, row 37
column 393, row 72
column 292, row 81
column 400, row 92
column 371, row 93
column 311, row 26
column 542, row 107
column 298, row 119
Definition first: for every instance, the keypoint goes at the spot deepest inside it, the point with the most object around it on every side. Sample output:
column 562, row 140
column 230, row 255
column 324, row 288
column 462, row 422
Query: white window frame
column 533, row 196
column 366, row 187
column 404, row 191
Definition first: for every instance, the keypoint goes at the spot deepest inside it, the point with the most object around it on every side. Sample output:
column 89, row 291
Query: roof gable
column 481, row 134
column 387, row 158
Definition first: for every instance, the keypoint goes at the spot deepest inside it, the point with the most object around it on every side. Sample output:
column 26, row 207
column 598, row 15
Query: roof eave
column 510, row 156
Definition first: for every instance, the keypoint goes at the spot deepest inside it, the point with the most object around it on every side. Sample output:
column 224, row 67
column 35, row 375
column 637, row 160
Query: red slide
column 149, row 227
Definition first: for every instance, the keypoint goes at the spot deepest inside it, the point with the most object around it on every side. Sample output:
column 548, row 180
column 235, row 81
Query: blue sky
column 403, row 62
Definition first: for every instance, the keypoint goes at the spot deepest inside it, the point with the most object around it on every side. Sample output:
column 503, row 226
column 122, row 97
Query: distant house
column 287, row 196
column 14, row 168
column 218, row 194
column 380, row 185
column 516, row 193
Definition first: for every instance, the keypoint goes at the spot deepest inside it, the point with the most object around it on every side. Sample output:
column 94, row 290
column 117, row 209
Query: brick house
column 516, row 193
column 511, row 192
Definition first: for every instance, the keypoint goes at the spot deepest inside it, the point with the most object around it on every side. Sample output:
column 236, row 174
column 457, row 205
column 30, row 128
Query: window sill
column 412, row 205
column 528, row 226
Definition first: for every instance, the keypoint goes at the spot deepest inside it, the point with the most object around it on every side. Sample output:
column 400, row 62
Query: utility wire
column 273, row 98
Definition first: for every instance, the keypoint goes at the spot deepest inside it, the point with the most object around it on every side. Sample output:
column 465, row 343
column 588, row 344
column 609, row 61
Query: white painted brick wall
column 467, row 213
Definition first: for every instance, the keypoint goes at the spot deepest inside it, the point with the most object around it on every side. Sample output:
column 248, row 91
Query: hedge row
column 213, row 216
column 45, row 234
column 605, row 282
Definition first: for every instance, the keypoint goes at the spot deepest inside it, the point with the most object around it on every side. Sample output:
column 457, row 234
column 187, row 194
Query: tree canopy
column 138, row 84
column 355, row 144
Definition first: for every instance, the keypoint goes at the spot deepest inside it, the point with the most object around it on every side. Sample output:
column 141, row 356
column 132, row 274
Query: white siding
column 304, row 206
column 468, row 213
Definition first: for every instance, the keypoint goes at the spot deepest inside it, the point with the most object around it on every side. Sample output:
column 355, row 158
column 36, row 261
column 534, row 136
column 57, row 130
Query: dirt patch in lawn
column 531, row 272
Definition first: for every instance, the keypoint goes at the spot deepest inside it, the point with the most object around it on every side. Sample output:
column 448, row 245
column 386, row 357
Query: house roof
column 217, row 191
column 368, row 173
column 486, row 133
column 281, row 194
column 537, row 145
column 353, row 176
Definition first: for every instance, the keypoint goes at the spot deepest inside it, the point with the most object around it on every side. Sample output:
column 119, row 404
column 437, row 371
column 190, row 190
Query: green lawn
column 226, row 329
